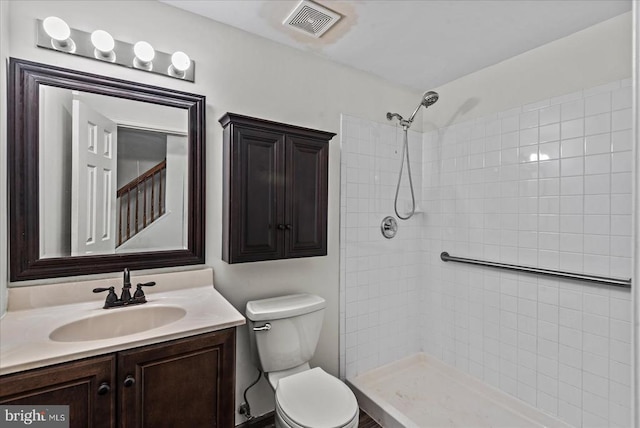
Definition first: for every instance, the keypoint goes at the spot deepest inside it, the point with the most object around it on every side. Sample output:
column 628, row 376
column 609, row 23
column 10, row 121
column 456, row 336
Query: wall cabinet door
column 258, row 202
column 306, row 184
column 184, row 383
column 86, row 386
column 275, row 190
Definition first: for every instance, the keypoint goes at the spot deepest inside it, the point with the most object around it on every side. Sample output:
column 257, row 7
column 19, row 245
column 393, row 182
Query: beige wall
column 4, row 53
column 594, row 56
column 635, row 405
column 240, row 73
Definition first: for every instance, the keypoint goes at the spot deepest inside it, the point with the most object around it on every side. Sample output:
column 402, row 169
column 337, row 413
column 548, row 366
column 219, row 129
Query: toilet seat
column 315, row 399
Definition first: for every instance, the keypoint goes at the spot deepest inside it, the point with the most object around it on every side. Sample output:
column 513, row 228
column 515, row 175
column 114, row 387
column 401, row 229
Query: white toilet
column 283, row 334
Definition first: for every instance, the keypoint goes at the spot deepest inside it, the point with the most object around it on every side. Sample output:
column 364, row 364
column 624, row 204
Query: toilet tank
column 295, row 320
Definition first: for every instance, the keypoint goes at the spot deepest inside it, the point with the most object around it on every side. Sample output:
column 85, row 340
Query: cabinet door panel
column 258, row 211
column 307, row 163
column 74, row 384
column 187, row 383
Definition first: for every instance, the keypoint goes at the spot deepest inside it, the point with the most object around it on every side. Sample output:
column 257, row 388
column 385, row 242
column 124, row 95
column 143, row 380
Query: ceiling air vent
column 311, row 18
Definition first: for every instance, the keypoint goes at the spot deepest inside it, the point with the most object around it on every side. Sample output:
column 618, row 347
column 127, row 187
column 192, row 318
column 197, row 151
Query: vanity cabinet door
column 184, row 383
column 86, row 386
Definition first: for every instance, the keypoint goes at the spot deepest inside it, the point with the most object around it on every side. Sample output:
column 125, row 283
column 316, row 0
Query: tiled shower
column 546, row 184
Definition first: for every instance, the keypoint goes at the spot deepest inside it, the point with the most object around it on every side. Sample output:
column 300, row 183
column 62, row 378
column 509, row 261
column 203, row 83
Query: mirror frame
column 23, row 111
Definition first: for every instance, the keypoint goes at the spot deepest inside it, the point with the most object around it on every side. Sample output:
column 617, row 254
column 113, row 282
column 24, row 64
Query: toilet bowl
column 283, row 333
column 315, row 399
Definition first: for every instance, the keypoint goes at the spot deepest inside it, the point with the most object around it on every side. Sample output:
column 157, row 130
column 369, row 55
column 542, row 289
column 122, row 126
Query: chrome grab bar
column 625, row 283
column 265, row 327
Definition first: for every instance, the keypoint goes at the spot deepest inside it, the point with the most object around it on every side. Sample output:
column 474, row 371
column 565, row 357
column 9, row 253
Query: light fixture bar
column 123, row 54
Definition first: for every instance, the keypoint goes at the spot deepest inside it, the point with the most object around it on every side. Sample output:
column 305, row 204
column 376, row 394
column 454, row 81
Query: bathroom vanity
column 184, row 382
column 176, row 371
column 169, row 362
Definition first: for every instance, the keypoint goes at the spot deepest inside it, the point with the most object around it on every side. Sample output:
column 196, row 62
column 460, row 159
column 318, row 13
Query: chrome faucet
column 112, row 300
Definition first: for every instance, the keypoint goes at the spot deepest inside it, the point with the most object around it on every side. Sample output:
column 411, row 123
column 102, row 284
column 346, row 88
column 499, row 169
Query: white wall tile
column 572, row 147
column 572, row 128
column 596, row 144
column 621, row 119
column 598, row 124
column 572, row 109
column 547, row 184
column 549, row 114
column 621, row 140
column 597, row 104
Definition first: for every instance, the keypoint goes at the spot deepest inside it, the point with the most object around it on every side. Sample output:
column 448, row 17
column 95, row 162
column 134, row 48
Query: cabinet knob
column 281, row 227
column 104, row 388
column 129, row 381
column 287, row 226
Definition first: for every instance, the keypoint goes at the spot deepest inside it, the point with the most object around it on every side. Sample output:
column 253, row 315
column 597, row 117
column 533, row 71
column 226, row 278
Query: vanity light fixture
column 60, row 34
column 180, row 63
column 103, row 43
column 144, row 53
column 55, row 34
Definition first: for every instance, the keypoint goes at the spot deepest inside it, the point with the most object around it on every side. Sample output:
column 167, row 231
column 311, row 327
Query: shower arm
column 404, row 123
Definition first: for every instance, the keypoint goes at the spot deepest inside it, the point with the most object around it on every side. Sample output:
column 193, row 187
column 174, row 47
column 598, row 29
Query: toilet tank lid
column 284, row 307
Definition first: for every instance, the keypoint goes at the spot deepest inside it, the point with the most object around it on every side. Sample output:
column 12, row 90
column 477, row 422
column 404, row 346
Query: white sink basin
column 54, row 324
column 117, row 322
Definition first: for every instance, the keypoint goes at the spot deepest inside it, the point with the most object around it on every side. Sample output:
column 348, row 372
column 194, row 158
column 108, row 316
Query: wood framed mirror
column 103, row 174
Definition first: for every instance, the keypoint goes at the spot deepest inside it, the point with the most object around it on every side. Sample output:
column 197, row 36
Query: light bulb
column 102, row 41
column 56, row 28
column 144, row 52
column 180, row 61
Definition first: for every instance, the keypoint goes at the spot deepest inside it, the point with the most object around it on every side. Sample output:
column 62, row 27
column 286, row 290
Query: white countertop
column 25, row 329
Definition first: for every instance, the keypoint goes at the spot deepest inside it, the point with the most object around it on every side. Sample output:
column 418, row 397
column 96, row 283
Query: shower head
column 429, row 98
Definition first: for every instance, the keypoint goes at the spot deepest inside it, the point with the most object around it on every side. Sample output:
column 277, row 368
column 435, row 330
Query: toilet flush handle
column 265, row 327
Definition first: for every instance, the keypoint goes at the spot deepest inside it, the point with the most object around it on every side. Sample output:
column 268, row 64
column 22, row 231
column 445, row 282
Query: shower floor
column 421, row 391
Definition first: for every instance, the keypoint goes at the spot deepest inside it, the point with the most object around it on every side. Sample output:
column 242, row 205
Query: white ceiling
column 421, row 44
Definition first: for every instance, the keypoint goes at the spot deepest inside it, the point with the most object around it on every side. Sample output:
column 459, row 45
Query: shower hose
column 405, row 152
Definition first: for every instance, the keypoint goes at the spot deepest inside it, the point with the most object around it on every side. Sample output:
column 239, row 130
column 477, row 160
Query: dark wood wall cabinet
column 187, row 382
column 275, row 190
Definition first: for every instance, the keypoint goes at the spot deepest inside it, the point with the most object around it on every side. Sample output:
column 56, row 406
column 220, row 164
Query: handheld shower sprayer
column 428, row 99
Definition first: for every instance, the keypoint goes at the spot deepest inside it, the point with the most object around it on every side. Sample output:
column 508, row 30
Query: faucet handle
column 139, row 293
column 111, row 299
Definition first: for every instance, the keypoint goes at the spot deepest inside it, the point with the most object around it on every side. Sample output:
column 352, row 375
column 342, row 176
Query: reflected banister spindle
column 144, row 204
column 120, row 223
column 160, row 211
column 153, row 197
column 129, row 213
column 137, row 206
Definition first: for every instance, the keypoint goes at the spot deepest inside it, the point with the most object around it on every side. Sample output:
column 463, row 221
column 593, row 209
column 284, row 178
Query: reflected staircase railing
column 141, row 201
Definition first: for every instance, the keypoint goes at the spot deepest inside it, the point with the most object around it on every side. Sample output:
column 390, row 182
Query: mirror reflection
column 113, row 175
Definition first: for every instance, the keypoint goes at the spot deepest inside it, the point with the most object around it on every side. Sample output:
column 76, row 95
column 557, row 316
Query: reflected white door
column 93, row 182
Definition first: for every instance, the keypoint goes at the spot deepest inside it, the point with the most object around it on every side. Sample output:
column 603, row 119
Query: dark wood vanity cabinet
column 86, row 386
column 187, row 382
column 275, row 190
